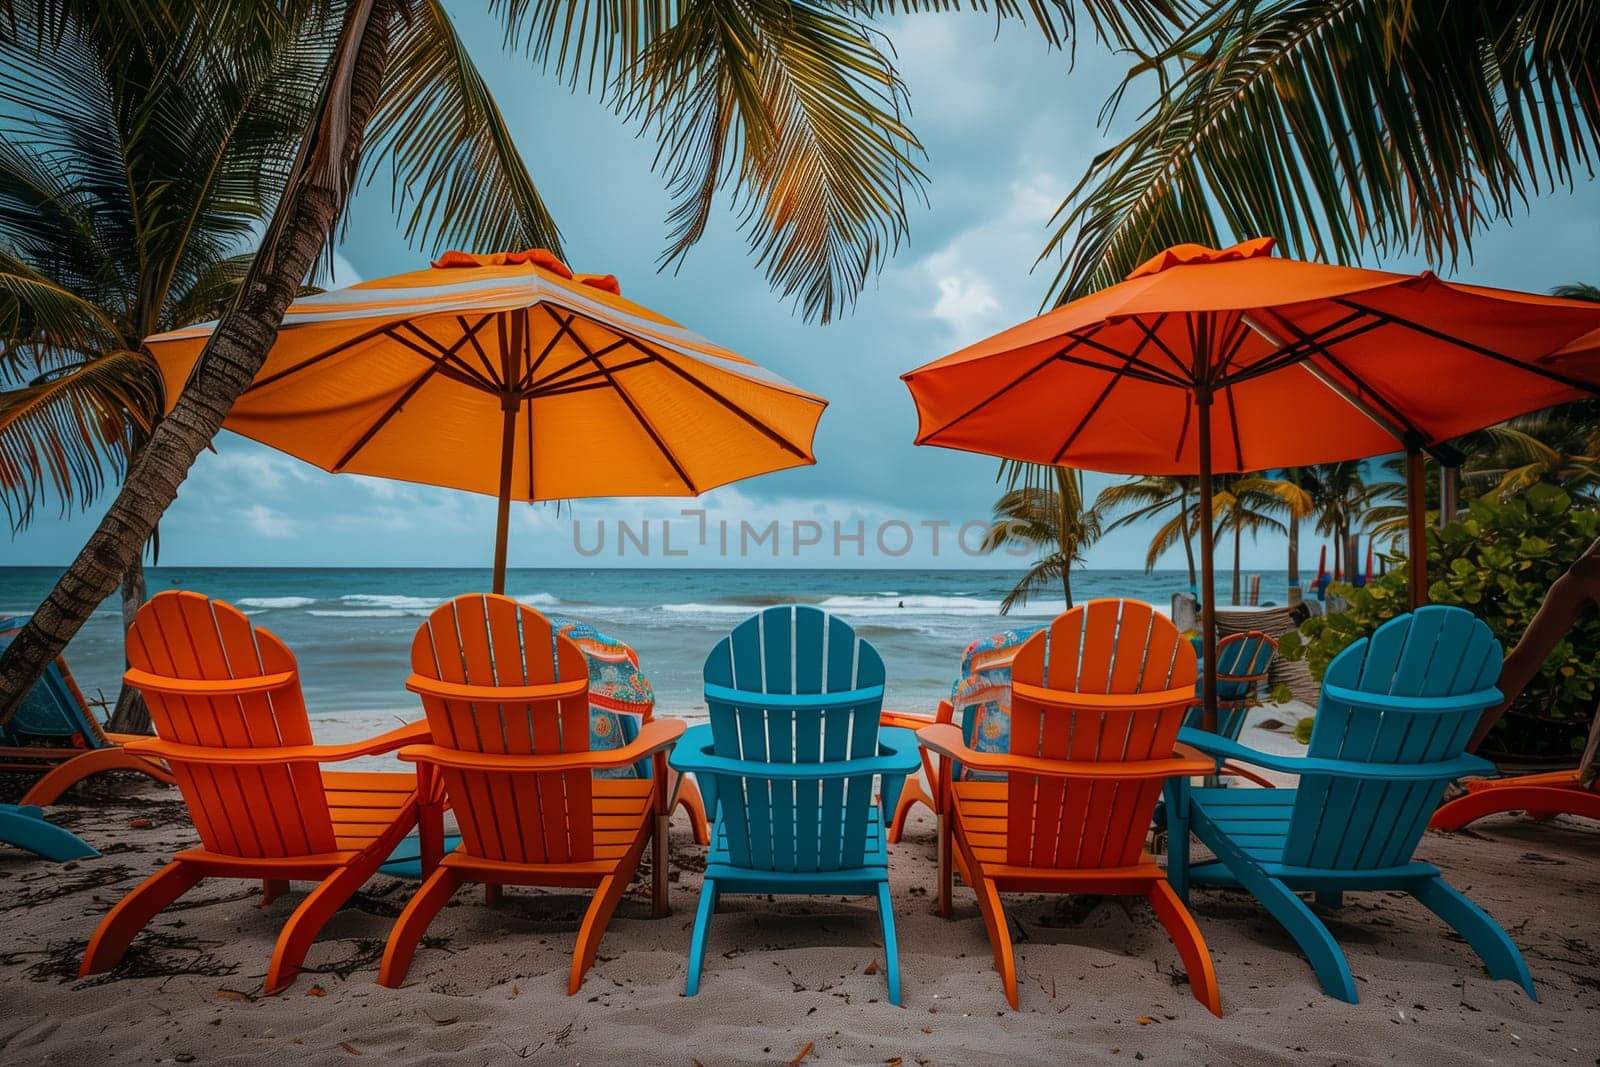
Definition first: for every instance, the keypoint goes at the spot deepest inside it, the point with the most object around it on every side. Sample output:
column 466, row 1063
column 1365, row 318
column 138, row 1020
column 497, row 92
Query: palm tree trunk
column 1238, row 532
column 1294, row 550
column 1066, row 584
column 1188, row 537
column 312, row 201
column 131, row 716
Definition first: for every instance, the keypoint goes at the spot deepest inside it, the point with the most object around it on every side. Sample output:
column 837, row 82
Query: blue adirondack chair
column 1392, row 724
column 787, row 763
column 1242, row 661
column 24, row 826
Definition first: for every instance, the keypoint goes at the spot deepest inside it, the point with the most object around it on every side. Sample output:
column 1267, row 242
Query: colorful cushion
column 982, row 697
column 620, row 696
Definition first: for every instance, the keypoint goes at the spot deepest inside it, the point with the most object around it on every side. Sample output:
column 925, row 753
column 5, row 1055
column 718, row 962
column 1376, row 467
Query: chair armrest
column 1483, row 698
column 147, row 682
column 372, row 746
column 1233, row 752
column 494, row 694
column 946, row 739
column 897, row 755
column 907, row 720
column 655, row 735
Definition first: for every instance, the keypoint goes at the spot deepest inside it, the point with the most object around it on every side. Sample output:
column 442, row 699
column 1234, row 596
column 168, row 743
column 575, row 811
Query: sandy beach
column 796, row 981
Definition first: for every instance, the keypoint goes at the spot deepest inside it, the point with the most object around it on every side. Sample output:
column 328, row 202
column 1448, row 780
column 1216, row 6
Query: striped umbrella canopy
column 509, row 375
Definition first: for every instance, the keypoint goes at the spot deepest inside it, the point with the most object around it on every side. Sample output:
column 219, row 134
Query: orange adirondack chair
column 225, row 699
column 1096, row 703
column 508, row 703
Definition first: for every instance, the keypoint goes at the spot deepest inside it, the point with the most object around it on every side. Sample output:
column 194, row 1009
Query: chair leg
column 891, row 945
column 598, row 916
column 1500, row 955
column 272, row 889
column 911, row 795
column 491, row 894
column 690, row 800
column 1177, row 805
column 117, row 930
column 946, row 863
column 62, row 777
column 697, row 940
column 1332, row 970
column 312, row 915
column 26, row 828
column 413, row 922
column 1191, row 945
column 659, row 884
column 1330, row 898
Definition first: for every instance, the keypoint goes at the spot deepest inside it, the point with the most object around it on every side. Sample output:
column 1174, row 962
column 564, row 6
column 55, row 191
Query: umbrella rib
column 452, row 365
column 1576, row 383
column 1233, row 422
column 1073, row 341
column 342, row 346
column 537, row 386
column 1298, row 351
column 383, row 420
column 563, row 327
column 472, row 334
column 1116, row 377
column 1240, row 335
column 772, row 435
column 588, row 380
column 1185, row 375
column 639, row 416
column 1389, row 422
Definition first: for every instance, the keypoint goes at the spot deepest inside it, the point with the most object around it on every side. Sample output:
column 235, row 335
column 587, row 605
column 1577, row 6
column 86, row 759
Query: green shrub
column 1498, row 562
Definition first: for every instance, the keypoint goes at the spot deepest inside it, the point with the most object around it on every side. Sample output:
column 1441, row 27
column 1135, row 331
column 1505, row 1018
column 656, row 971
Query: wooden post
column 1417, row 527
column 1208, row 578
column 508, row 443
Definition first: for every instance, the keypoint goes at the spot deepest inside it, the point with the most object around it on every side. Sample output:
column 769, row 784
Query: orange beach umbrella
column 509, row 375
column 1208, row 361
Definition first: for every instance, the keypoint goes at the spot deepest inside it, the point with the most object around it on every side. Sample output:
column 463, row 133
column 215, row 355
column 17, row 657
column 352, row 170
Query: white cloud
column 269, row 522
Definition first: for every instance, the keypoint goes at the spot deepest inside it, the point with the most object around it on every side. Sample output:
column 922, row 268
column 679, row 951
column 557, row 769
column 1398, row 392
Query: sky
column 1009, row 126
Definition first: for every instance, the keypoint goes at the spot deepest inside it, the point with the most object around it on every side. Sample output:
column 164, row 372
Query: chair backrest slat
column 794, row 825
column 1435, row 652
column 257, row 811
column 1242, row 663
column 1104, row 647
column 513, row 817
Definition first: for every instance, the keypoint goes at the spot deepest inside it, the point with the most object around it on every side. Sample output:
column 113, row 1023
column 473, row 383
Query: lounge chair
column 1242, row 662
column 1540, row 795
column 1096, row 704
column 507, row 701
column 980, row 702
column 787, row 764
column 1392, row 724
column 24, row 826
column 56, row 735
column 226, row 703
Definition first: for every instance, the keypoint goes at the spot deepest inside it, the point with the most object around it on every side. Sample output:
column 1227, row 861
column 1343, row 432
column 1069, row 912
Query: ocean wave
column 539, row 600
column 366, row 613
column 878, row 606
column 271, row 602
column 392, row 601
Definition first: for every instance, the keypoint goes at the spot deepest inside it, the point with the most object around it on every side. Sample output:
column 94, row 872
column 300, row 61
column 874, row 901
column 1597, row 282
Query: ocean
column 351, row 629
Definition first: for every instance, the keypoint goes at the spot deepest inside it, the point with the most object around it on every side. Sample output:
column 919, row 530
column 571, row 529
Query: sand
column 797, row 980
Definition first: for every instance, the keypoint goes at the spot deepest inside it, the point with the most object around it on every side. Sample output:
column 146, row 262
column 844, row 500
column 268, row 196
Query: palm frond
column 1047, row 571
column 70, row 430
column 1132, row 25
column 458, row 177
column 1341, row 127
column 43, row 323
column 801, row 111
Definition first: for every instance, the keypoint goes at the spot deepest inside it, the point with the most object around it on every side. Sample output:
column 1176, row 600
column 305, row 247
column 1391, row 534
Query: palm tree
column 1246, row 503
column 1559, row 446
column 1152, row 496
column 1301, row 506
column 1043, row 507
column 113, row 227
column 1342, row 127
column 794, row 103
column 1338, row 499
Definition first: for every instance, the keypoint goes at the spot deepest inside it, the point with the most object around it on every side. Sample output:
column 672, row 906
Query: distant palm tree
column 1337, row 499
column 1150, row 497
column 1302, row 506
column 1043, row 509
column 1246, row 503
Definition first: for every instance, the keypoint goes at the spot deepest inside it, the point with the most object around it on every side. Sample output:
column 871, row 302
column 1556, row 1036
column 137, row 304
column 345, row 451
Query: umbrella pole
column 1208, row 579
column 1417, row 527
column 503, row 521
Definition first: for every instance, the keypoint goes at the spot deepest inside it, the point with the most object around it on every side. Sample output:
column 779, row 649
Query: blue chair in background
column 787, row 765
column 1242, row 662
column 1391, row 730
